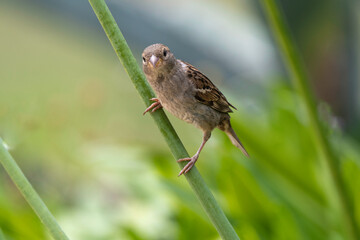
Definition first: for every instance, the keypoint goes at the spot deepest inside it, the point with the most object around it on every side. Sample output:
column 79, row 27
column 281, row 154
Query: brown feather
column 207, row 93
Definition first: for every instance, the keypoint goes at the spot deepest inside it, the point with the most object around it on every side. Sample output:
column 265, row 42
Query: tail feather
column 235, row 140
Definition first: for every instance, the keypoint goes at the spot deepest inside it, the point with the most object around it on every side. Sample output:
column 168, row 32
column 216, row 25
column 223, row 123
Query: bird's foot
column 154, row 106
column 190, row 164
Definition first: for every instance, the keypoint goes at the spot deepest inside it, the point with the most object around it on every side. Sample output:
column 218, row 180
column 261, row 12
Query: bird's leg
column 156, row 105
column 194, row 158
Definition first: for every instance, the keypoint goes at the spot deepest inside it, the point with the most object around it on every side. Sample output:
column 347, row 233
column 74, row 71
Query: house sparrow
column 188, row 94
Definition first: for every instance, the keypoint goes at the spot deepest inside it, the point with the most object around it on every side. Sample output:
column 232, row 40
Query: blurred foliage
column 73, row 122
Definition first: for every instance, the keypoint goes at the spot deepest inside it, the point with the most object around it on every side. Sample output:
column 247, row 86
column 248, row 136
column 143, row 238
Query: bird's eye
column 164, row 52
column 144, row 60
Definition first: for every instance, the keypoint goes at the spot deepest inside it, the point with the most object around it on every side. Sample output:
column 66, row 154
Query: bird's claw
column 189, row 165
column 154, row 106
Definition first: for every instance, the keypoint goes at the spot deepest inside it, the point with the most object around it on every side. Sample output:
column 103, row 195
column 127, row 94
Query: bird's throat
column 160, row 78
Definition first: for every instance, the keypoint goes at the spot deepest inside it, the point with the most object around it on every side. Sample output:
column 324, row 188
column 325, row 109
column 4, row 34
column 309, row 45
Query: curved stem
column 2, row 237
column 194, row 178
column 30, row 194
column 296, row 69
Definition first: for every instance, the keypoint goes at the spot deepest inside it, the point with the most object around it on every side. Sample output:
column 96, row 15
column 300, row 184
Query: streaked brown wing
column 206, row 92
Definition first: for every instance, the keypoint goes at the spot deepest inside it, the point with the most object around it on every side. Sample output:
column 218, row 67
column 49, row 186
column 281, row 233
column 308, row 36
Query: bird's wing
column 206, row 92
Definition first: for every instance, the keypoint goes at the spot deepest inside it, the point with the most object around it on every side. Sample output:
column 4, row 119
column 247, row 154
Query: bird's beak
column 154, row 60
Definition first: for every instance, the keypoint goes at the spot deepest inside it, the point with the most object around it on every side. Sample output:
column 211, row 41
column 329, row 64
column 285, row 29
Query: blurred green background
column 74, row 123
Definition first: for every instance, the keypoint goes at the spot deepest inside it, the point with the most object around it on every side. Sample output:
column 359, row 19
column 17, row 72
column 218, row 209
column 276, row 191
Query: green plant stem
column 30, row 194
column 296, row 69
column 2, row 237
column 194, row 178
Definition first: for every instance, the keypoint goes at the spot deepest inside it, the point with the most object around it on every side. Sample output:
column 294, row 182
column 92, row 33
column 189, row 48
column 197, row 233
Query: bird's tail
column 233, row 137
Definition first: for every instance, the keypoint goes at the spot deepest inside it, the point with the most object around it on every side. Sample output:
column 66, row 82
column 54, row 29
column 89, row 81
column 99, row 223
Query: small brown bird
column 188, row 94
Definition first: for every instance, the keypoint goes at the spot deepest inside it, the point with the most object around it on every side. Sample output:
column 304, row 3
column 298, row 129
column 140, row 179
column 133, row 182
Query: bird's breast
column 177, row 96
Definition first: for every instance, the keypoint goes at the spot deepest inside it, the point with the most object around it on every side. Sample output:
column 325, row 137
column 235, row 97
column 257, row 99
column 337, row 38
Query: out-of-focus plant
column 297, row 72
column 29, row 193
column 2, row 237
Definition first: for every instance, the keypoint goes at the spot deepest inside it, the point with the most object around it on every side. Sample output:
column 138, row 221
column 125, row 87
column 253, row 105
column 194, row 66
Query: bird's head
column 157, row 58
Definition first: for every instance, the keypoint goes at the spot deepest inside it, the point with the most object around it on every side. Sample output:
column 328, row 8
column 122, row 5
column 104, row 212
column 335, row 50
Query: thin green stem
column 296, row 69
column 2, row 236
column 194, row 178
column 30, row 194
